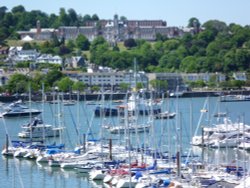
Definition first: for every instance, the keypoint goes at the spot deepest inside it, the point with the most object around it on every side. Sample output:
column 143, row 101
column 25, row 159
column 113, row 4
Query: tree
column 82, row 42
column 95, row 88
column 171, row 44
column 242, row 57
column 160, row 37
column 171, row 61
column 86, row 18
column 18, row 9
column 129, row 43
column 116, row 48
column 98, row 49
column 189, row 65
column 27, row 46
column 72, row 16
column 54, row 41
column 200, row 83
column 237, row 83
column 3, row 10
column 70, row 44
column 95, row 17
column 123, row 18
column 63, row 17
column 215, row 26
column 63, row 50
column 124, row 87
column 194, row 22
column 139, row 85
column 37, row 80
column 159, row 85
column 78, row 86
column 53, row 76
column 18, row 83
column 207, row 36
column 65, row 84
column 53, row 21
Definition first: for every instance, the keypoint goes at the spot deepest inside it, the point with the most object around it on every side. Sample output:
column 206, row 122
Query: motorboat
column 16, row 109
column 131, row 128
column 234, row 98
column 37, row 129
column 86, row 168
column 69, row 102
column 220, row 114
column 165, row 115
column 218, row 136
column 105, row 111
column 141, row 106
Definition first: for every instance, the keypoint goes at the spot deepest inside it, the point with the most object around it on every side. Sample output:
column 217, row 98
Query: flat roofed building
column 108, row 79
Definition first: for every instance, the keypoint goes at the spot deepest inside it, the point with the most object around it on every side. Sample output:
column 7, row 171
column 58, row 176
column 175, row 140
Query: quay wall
column 121, row 96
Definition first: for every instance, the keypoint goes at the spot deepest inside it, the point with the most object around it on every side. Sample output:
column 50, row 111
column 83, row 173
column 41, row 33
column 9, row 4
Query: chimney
column 38, row 27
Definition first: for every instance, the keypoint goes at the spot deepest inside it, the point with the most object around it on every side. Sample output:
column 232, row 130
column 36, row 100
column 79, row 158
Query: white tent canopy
column 27, row 38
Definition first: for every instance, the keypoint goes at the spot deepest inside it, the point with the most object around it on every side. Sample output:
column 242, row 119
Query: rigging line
column 197, row 128
column 89, row 123
column 67, row 133
column 53, row 111
column 16, row 165
column 110, row 117
column 73, row 120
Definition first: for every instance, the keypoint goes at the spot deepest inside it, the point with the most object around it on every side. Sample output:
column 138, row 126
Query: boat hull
column 21, row 114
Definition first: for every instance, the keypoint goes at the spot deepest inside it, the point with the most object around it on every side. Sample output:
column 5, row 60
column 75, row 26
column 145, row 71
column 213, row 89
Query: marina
column 164, row 139
column 127, row 101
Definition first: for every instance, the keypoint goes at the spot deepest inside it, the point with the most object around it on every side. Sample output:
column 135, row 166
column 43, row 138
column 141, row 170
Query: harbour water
column 79, row 119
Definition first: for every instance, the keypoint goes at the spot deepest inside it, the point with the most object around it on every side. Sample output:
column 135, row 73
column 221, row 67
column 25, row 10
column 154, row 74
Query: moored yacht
column 132, row 128
column 37, row 129
column 16, row 109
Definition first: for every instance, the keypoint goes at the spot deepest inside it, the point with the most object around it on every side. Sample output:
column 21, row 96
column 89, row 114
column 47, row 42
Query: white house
column 26, row 55
column 48, row 58
column 240, row 76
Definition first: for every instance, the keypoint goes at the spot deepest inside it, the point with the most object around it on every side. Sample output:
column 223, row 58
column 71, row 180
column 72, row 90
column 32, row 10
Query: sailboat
column 133, row 107
column 129, row 125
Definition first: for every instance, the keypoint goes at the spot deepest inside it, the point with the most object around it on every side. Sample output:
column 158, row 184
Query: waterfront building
column 240, row 76
column 206, row 77
column 108, row 80
column 173, row 80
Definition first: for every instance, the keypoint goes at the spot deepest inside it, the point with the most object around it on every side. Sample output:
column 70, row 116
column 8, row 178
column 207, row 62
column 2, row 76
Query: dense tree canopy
column 82, row 42
column 18, row 83
column 65, row 84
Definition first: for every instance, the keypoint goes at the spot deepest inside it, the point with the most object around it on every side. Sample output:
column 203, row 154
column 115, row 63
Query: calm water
column 79, row 119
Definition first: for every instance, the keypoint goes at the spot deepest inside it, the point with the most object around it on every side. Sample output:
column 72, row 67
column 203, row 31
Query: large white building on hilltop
column 113, row 30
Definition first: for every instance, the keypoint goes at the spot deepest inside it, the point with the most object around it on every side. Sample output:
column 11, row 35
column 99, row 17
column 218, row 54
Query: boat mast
column 78, row 117
column 30, row 115
column 43, row 100
column 178, row 132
